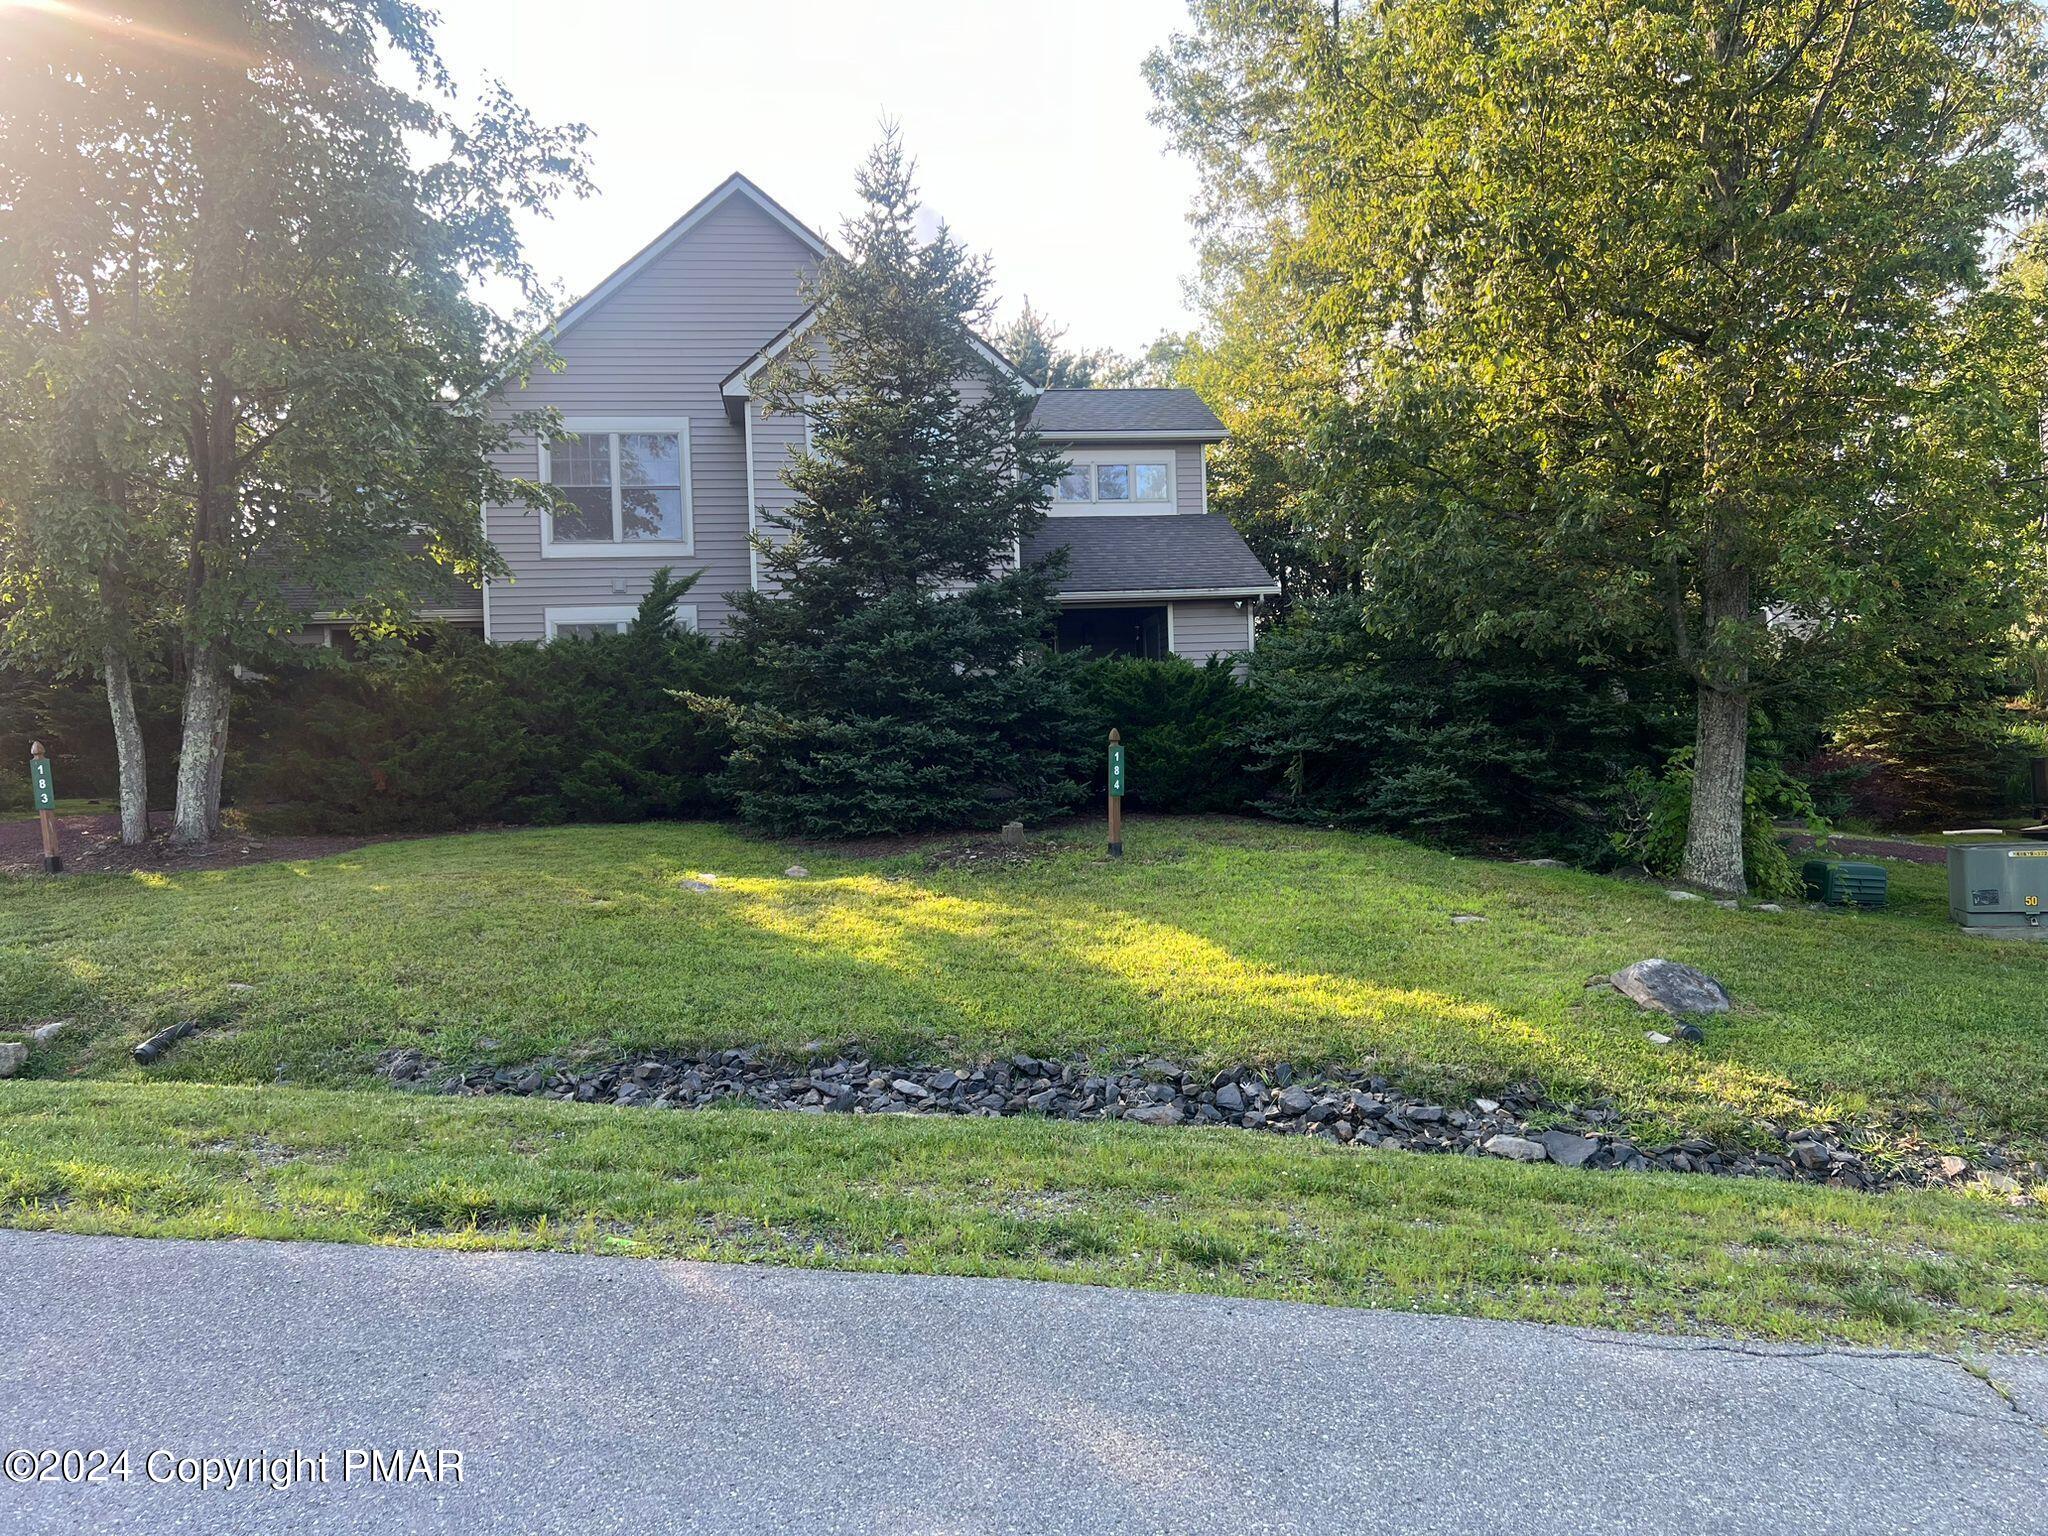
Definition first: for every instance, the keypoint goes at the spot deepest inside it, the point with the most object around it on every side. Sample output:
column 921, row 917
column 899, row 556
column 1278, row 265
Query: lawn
column 1216, row 1211
column 1213, row 941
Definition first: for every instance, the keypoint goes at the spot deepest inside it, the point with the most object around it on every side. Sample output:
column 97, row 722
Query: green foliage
column 1180, row 726
column 1636, row 329
column 1033, row 345
column 68, row 714
column 1352, row 727
column 244, row 343
column 897, row 677
column 584, row 729
column 1662, row 807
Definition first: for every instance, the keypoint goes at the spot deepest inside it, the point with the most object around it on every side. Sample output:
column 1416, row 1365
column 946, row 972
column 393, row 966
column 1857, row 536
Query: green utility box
column 1998, row 885
column 1842, row 884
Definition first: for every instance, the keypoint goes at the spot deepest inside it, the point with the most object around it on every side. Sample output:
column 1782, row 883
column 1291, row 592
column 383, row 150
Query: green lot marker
column 1116, row 794
column 42, row 781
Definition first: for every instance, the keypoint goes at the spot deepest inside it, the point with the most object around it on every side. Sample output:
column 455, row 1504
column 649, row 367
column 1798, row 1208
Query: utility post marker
column 43, row 781
column 1116, row 794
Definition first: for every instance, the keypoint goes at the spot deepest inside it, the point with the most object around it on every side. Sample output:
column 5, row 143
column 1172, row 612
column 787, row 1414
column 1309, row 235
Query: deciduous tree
column 1625, row 323
column 240, row 314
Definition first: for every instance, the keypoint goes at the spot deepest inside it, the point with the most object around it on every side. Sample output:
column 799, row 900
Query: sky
column 1027, row 120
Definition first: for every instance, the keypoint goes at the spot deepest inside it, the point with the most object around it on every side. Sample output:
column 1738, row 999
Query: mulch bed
column 91, row 844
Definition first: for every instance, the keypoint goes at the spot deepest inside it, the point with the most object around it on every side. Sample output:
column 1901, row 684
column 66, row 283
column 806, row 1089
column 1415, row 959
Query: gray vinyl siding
column 779, row 436
column 1210, row 627
column 660, row 346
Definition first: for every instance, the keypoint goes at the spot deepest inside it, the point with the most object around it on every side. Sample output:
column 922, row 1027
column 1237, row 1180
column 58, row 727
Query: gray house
column 673, row 461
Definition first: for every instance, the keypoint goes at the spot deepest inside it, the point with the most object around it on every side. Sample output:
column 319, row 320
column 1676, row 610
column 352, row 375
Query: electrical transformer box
column 1998, row 885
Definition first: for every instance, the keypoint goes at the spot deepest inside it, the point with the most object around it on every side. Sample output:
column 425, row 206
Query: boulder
column 796, row 872
column 1519, row 1148
column 13, row 1057
column 1155, row 1114
column 1568, row 1149
column 1669, row 987
column 43, row 1034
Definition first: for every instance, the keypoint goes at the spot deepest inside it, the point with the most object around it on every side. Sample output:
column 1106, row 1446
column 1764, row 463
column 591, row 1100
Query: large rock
column 1567, row 1148
column 1671, row 988
column 13, row 1057
column 1155, row 1114
column 1520, row 1148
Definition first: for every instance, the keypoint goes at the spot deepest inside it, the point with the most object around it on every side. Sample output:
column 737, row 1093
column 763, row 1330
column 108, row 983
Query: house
column 673, row 462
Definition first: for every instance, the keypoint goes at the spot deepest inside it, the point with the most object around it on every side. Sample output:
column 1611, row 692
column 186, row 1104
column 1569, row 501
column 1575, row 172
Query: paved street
column 596, row 1395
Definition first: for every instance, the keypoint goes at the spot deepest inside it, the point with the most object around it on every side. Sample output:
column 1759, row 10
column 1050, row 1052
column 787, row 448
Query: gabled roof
column 737, row 386
column 1120, row 555
column 734, row 185
column 1083, row 414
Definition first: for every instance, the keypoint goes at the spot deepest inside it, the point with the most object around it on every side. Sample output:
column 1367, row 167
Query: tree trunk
column 1713, row 834
column 203, row 736
column 127, row 748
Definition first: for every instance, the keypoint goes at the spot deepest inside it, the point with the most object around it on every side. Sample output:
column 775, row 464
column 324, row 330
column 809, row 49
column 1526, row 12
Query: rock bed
column 1353, row 1108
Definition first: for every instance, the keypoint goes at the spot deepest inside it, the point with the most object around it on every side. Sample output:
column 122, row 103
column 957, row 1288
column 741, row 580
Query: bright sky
column 1028, row 121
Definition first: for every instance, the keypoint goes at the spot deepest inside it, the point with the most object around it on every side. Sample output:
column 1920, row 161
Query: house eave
column 1056, row 437
column 1167, row 594
column 736, row 387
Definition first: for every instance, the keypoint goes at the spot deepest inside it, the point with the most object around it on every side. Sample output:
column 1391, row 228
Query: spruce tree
column 901, row 676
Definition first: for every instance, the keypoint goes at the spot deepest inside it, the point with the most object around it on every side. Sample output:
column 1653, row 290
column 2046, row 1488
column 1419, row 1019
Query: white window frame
column 620, row 614
column 615, row 547
column 1133, row 457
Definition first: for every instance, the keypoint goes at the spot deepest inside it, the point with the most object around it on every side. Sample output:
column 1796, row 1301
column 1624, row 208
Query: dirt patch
column 1872, row 848
column 91, row 844
column 991, row 853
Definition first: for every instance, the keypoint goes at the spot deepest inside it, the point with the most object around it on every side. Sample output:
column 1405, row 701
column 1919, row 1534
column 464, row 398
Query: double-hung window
column 1115, row 483
column 627, row 485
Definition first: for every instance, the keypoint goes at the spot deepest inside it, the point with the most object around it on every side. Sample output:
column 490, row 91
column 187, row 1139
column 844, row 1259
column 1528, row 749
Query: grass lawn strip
column 1193, row 1210
column 1215, row 942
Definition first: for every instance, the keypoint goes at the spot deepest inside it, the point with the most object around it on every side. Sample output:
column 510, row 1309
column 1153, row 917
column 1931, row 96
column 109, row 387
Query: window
column 1119, row 482
column 611, row 619
column 1114, row 631
column 628, row 487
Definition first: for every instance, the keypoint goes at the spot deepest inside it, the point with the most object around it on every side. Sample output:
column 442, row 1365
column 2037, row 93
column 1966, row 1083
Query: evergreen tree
column 1035, row 346
column 901, row 677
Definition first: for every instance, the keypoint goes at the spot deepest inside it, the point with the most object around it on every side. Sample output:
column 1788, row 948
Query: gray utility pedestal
column 1999, row 888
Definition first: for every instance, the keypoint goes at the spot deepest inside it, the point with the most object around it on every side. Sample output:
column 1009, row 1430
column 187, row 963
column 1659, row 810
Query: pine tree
column 901, row 676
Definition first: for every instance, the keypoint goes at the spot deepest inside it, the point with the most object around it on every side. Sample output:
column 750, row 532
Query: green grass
column 1213, row 941
column 1188, row 1209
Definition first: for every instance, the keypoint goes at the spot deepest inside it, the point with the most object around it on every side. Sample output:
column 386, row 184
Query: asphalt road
column 597, row 1395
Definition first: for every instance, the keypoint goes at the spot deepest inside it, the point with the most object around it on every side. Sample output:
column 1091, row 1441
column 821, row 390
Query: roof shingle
column 1132, row 412
column 1183, row 552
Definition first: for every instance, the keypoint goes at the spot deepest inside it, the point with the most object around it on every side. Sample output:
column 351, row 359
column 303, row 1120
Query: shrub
column 1503, row 749
column 1181, row 726
column 916, row 714
column 1656, row 834
column 582, row 729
